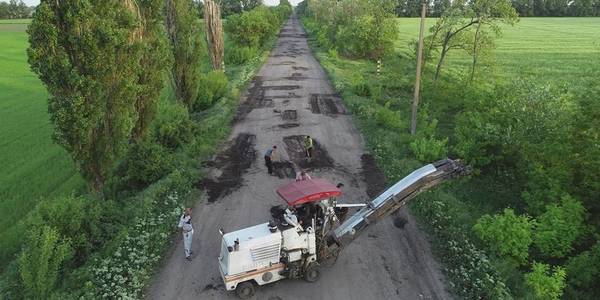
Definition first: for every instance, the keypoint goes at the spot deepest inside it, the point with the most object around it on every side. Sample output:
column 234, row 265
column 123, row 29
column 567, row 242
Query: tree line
column 532, row 146
column 525, row 8
column 15, row 10
column 137, row 95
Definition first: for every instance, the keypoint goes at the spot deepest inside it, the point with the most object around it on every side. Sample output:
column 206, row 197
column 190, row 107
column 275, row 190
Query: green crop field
column 541, row 49
column 32, row 166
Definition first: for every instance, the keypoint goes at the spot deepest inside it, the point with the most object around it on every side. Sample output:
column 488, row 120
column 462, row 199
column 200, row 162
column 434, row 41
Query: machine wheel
column 245, row 290
column 312, row 273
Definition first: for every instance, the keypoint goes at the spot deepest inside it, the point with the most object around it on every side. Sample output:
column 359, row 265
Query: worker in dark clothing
column 269, row 159
column 309, row 143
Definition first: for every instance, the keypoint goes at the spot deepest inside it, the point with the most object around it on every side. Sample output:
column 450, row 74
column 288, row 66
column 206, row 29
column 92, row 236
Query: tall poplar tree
column 89, row 54
column 184, row 32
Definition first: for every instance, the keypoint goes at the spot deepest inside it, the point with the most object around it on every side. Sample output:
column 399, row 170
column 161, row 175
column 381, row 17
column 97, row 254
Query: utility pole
column 415, row 104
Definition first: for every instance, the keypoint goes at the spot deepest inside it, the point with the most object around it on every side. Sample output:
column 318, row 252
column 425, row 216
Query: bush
column 146, row 163
column 583, row 275
column 76, row 218
column 124, row 272
column 367, row 36
column 506, row 234
column 471, row 274
column 213, row 86
column 388, row 118
column 360, row 86
column 43, row 255
column 428, row 149
column 559, row 227
column 238, row 55
column 356, row 28
column 172, row 126
column 546, row 285
column 252, row 28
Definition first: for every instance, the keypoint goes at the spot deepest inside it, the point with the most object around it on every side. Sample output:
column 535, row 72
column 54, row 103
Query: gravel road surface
column 291, row 97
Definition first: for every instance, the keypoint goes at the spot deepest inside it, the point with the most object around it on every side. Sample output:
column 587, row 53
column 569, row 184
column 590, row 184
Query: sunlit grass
column 563, row 50
column 33, row 167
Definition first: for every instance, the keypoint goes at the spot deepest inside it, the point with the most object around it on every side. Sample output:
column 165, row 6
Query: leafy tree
column 248, row 5
column 252, row 28
column 559, row 227
column 506, row 234
column 525, row 131
column 412, row 8
column 524, row 7
column 439, row 7
column 546, row 285
column 88, row 55
column 154, row 57
column 43, row 255
column 4, row 10
column 184, row 32
column 583, row 275
column 231, row 7
column 490, row 14
column 539, row 8
column 14, row 10
column 463, row 25
column 357, row 28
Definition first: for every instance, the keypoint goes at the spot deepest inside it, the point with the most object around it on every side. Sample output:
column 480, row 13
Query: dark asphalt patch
column 399, row 222
column 233, row 163
column 292, row 35
column 326, row 104
column 289, row 114
column 372, row 175
column 300, row 68
column 256, row 97
column 294, row 146
column 285, row 63
column 281, row 87
column 288, row 125
column 290, row 95
column 284, row 169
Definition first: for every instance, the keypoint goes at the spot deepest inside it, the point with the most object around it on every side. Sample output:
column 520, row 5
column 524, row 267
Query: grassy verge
column 126, row 234
column 380, row 105
column 523, row 49
column 33, row 166
column 120, row 272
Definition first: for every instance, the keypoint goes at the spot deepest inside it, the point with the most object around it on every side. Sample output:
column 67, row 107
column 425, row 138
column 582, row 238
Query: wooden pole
column 415, row 104
column 214, row 34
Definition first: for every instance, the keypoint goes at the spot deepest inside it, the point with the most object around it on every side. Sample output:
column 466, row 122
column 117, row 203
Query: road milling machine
column 312, row 229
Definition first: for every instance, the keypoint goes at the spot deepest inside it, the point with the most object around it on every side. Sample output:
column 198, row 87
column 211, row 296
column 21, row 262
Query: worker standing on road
column 269, row 155
column 302, row 175
column 185, row 223
column 309, row 143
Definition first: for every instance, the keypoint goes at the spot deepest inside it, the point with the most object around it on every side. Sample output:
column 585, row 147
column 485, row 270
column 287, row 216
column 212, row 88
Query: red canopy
column 305, row 191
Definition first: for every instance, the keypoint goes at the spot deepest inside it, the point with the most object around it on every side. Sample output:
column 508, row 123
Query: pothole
column 288, row 125
column 233, row 163
column 400, row 222
column 300, row 68
column 282, row 87
column 284, row 169
column 326, row 104
column 289, row 114
column 295, row 147
column 372, row 175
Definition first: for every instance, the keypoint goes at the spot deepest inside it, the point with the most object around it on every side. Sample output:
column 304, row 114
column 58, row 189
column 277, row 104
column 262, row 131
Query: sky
column 267, row 2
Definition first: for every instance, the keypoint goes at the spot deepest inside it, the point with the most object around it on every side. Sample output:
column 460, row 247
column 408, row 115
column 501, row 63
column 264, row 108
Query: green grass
column 33, row 166
column 560, row 50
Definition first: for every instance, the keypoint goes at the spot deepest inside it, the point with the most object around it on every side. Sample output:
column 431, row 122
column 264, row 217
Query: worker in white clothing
column 302, row 175
column 185, row 223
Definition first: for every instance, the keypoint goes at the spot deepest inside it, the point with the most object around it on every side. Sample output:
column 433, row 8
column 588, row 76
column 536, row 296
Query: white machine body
column 261, row 254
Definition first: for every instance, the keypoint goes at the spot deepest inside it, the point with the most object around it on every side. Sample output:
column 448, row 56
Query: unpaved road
column 291, row 96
